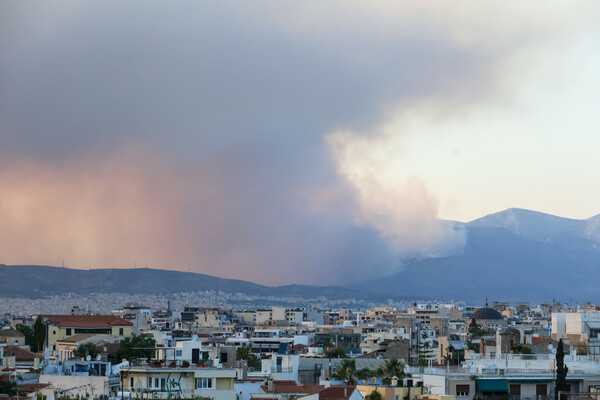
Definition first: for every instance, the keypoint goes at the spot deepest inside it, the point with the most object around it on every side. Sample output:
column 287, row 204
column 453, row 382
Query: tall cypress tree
column 561, row 370
column 39, row 335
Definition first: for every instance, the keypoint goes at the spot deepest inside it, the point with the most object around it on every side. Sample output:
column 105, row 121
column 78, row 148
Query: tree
column 374, row 395
column 39, row 335
column 521, row 349
column 136, row 346
column 454, row 357
column 8, row 387
column 86, row 349
column 347, row 372
column 475, row 330
column 245, row 353
column 561, row 370
column 425, row 347
column 335, row 352
column 27, row 331
column 389, row 369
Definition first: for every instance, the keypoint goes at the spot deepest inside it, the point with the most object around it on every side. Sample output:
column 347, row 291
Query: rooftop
column 85, row 321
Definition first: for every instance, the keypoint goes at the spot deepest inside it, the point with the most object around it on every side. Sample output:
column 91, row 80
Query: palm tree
column 391, row 368
column 347, row 372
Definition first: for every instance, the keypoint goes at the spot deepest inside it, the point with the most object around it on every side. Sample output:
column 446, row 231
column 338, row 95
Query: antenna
column 189, row 267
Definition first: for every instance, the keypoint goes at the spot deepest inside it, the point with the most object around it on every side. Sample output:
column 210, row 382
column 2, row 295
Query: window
column 178, row 353
column 397, row 397
column 131, row 382
column 462, row 390
column 120, row 331
column 203, row 383
column 68, row 333
column 515, row 390
column 159, row 384
column 541, row 389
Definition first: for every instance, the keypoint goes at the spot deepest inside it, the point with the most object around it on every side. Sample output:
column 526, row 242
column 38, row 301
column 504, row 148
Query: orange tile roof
column 76, row 338
column 336, row 393
column 32, row 387
column 20, row 354
column 86, row 321
column 281, row 387
column 536, row 340
column 10, row 333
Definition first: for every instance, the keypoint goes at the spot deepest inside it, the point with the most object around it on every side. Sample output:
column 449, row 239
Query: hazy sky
column 308, row 142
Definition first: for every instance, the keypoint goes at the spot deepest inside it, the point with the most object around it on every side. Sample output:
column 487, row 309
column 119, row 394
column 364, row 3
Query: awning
column 458, row 345
column 492, row 385
column 593, row 324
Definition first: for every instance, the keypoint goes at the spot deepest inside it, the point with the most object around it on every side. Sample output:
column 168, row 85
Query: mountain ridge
column 37, row 281
column 512, row 255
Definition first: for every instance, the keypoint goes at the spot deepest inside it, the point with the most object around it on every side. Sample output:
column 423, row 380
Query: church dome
column 486, row 313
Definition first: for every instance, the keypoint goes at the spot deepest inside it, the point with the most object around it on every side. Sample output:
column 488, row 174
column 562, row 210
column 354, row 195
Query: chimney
column 270, row 385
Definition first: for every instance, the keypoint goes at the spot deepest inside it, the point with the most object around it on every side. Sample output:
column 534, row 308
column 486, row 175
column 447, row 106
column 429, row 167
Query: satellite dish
column 550, row 347
column 553, row 350
column 88, row 358
column 98, row 357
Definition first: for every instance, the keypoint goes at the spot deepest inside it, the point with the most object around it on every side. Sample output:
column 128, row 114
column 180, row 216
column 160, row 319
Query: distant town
column 135, row 347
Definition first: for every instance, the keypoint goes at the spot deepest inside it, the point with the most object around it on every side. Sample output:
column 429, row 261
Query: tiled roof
column 76, row 338
column 536, row 340
column 280, row 387
column 10, row 333
column 19, row 353
column 32, row 387
column 337, row 392
column 86, row 321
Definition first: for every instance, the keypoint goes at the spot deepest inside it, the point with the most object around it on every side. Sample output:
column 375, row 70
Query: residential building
column 166, row 382
column 63, row 326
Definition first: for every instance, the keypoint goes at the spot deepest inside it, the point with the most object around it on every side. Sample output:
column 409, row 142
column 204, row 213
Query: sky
column 288, row 142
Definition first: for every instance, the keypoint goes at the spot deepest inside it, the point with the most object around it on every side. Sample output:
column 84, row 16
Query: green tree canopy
column 27, row 331
column 136, row 346
column 561, row 370
column 39, row 335
column 86, row 349
column 347, row 372
column 389, row 369
column 245, row 353
column 335, row 352
column 475, row 330
column 374, row 395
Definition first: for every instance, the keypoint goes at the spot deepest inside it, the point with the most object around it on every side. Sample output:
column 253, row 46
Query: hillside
column 514, row 255
column 40, row 281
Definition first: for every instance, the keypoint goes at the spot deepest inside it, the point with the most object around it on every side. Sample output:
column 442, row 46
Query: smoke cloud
column 399, row 206
column 266, row 141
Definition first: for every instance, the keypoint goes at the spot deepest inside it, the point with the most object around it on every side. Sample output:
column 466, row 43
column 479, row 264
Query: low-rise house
column 164, row 382
column 284, row 390
column 12, row 337
column 76, row 378
column 392, row 392
column 336, row 392
column 21, row 359
column 63, row 326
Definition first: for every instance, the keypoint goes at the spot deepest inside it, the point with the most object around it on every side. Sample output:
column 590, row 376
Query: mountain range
column 514, row 255
column 37, row 281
